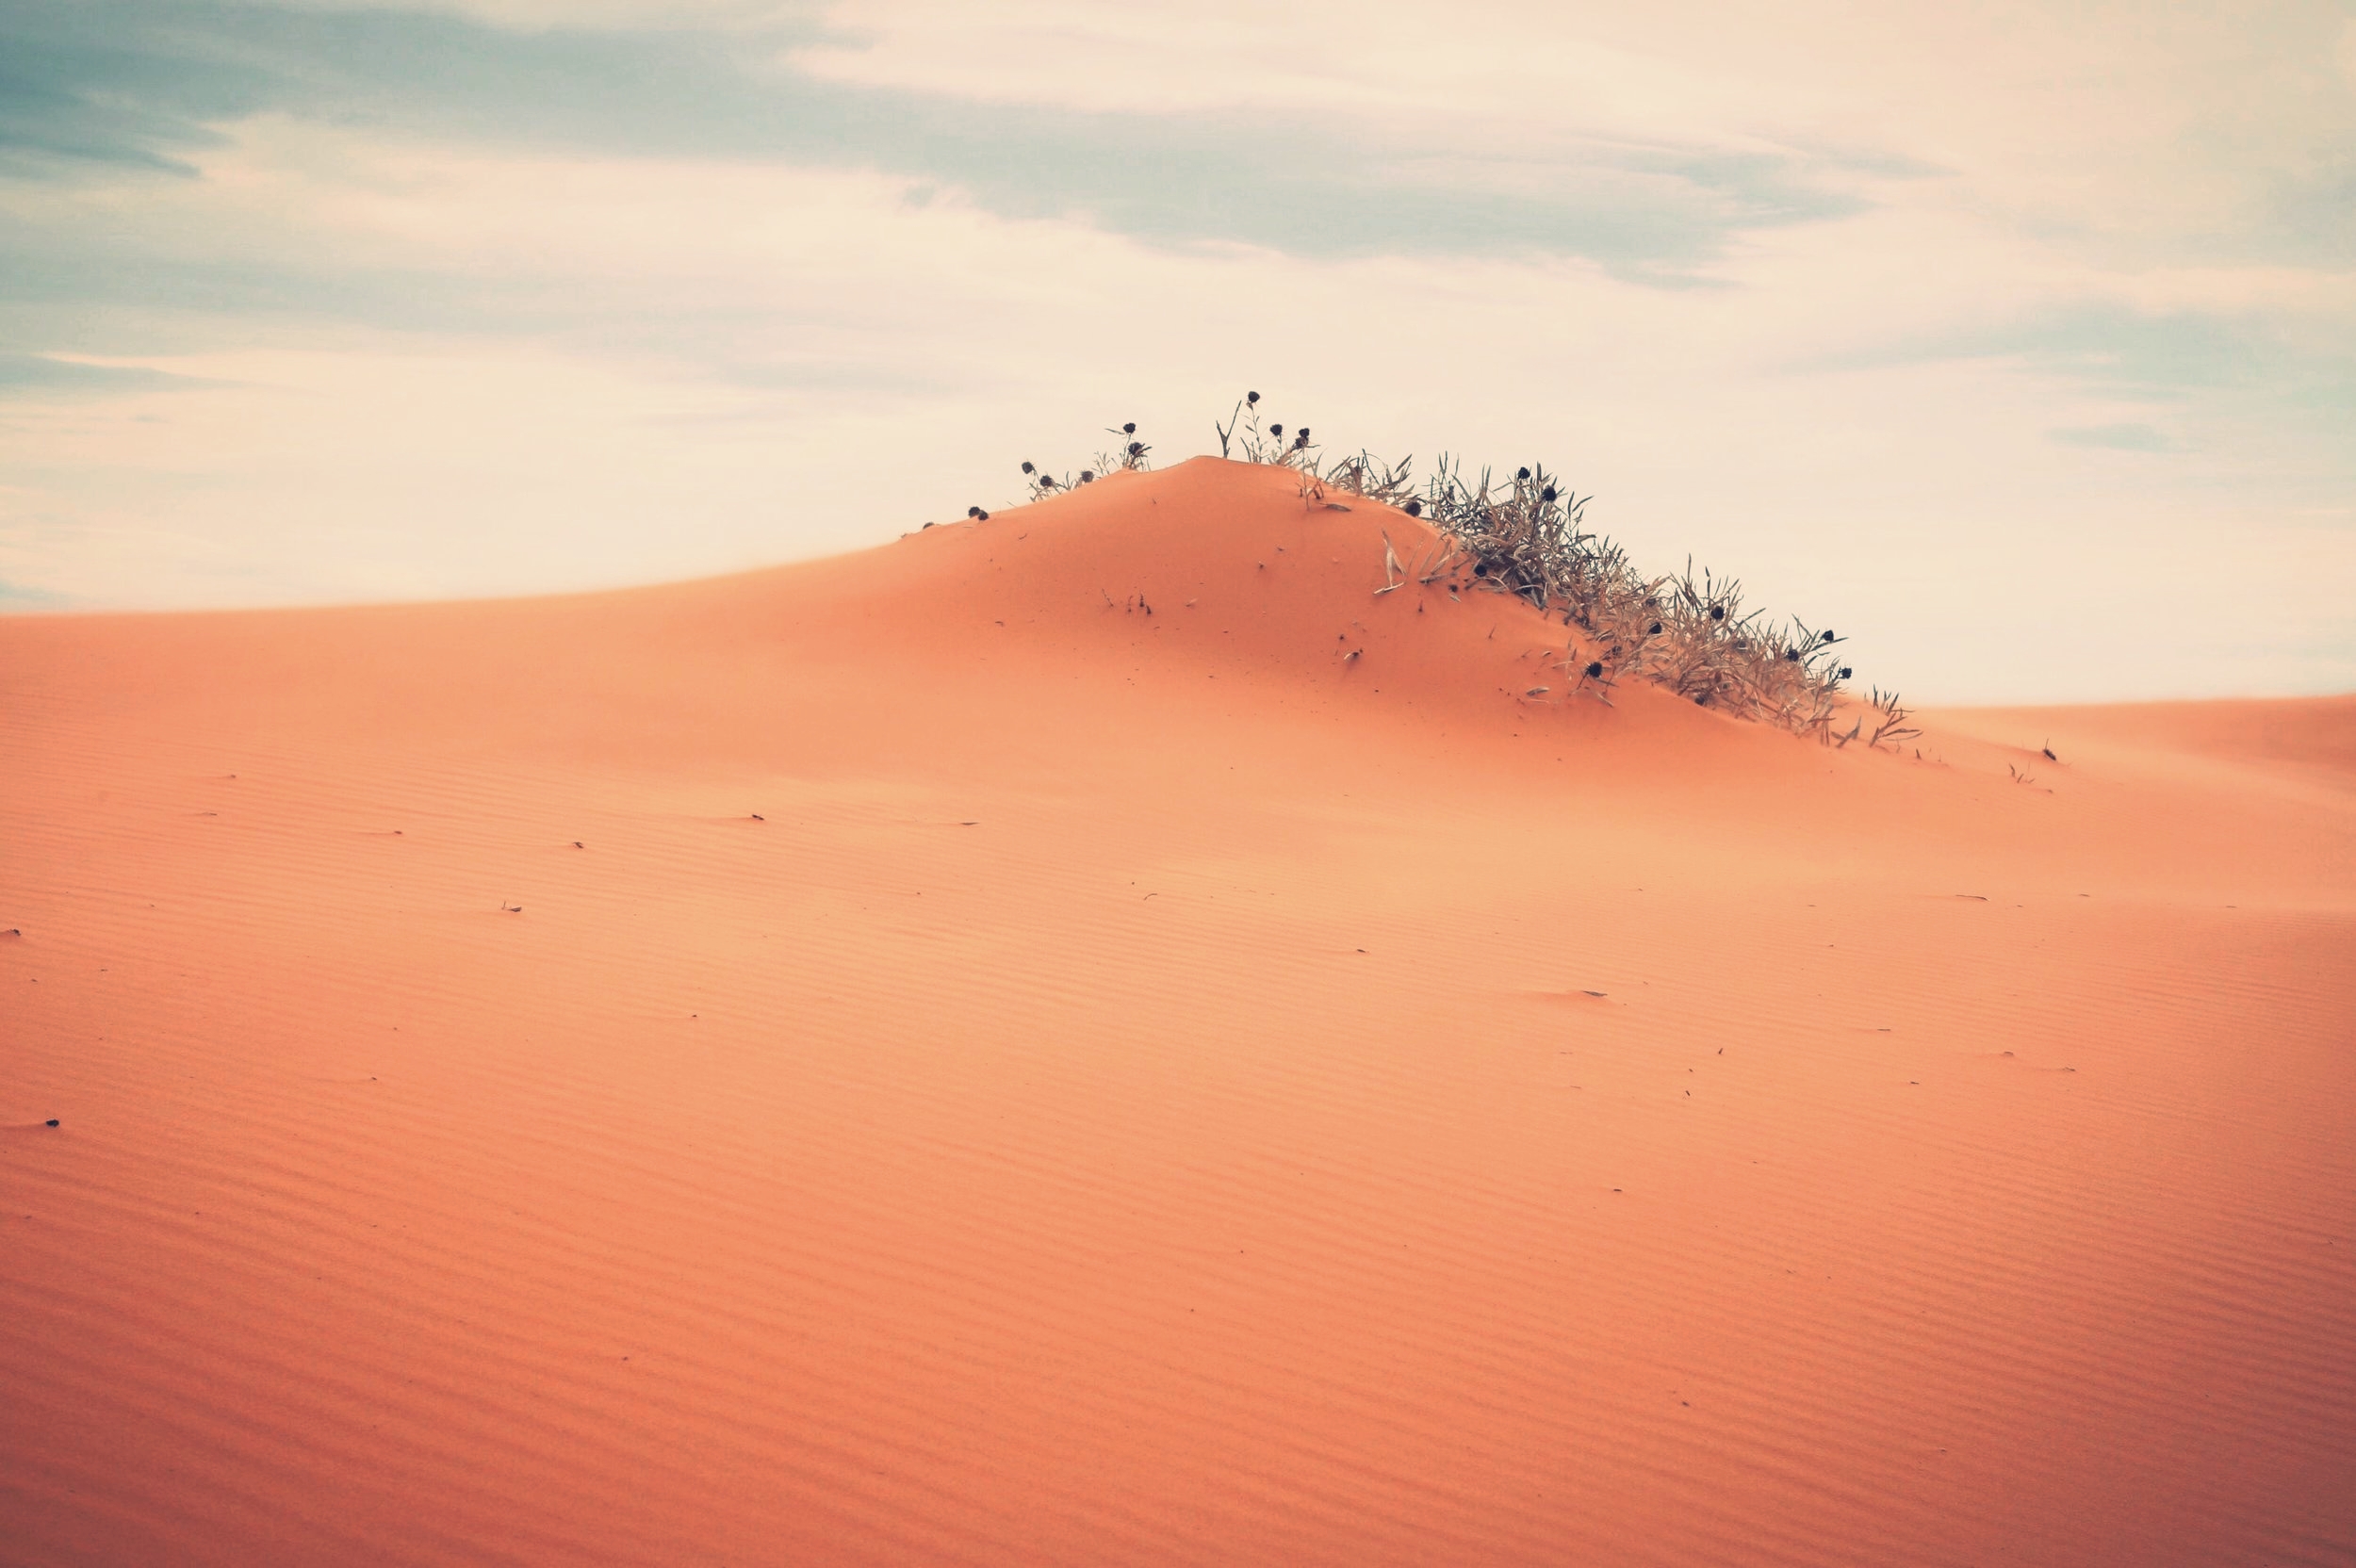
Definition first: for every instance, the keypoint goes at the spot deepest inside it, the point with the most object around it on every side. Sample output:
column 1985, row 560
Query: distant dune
column 1092, row 1037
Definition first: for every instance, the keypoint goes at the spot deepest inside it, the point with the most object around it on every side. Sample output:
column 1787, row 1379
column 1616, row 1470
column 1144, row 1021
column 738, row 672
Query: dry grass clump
column 1524, row 535
column 1127, row 452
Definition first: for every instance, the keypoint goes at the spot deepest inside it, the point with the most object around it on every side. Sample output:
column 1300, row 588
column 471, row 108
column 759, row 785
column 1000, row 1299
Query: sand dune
column 1092, row 1037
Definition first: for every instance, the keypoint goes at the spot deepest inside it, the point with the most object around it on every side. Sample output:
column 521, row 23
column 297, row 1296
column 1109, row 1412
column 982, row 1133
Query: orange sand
column 1147, row 1088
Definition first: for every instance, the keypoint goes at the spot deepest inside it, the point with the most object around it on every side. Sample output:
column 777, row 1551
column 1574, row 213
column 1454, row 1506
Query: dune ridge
column 1017, row 1047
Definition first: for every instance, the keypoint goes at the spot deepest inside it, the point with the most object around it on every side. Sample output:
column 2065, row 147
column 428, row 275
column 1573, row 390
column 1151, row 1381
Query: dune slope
column 1092, row 1036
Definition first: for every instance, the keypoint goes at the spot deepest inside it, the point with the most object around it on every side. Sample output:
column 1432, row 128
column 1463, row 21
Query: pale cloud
column 1284, row 62
column 2128, row 120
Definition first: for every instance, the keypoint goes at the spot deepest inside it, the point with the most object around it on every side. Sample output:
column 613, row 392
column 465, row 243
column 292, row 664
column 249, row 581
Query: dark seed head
column 1251, row 397
column 1846, row 671
column 981, row 516
column 1548, row 494
column 1717, row 611
column 1595, row 670
column 1305, row 432
column 1481, row 570
column 1828, row 636
column 1793, row 654
column 1701, row 699
column 1653, row 631
column 1414, row 509
column 1087, row 477
column 1137, row 449
column 1129, row 429
column 1276, row 429
column 1028, row 469
column 1046, row 481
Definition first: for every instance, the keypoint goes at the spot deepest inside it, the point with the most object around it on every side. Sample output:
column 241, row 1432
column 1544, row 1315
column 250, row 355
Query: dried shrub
column 1525, row 536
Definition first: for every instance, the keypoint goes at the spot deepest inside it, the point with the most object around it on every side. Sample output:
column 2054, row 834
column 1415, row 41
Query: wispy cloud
column 2123, row 438
column 144, row 82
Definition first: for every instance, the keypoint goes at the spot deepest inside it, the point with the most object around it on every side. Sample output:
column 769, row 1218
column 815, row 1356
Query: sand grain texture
column 1015, row 1048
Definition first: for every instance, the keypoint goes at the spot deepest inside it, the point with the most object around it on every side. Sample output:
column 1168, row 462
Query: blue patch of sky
column 20, row 597
column 2163, row 358
column 46, row 377
column 53, row 281
column 2118, row 350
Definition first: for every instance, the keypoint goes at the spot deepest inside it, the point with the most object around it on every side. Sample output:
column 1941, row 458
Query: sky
column 2016, row 342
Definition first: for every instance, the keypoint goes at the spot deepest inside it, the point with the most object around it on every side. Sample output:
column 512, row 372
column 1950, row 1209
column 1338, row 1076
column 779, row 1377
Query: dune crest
column 1094, row 1037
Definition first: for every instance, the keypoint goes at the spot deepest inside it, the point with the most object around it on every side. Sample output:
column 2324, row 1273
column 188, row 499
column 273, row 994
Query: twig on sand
column 1394, row 575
